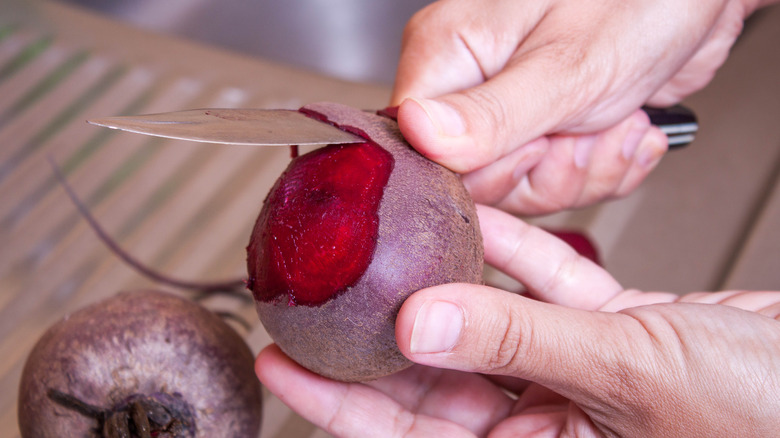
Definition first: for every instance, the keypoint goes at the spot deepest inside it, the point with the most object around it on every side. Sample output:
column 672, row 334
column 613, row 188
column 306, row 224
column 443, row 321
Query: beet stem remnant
column 230, row 285
column 142, row 417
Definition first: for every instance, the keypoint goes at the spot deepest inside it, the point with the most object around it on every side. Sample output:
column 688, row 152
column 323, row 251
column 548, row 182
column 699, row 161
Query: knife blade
column 233, row 126
column 263, row 127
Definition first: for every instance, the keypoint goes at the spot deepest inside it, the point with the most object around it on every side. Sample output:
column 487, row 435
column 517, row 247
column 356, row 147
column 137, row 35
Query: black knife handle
column 677, row 122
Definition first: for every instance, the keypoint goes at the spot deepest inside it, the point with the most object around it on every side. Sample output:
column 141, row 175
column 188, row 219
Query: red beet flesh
column 320, row 238
column 346, row 235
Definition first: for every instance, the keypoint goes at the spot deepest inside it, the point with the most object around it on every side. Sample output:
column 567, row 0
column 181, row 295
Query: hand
column 505, row 83
column 583, row 357
column 560, row 172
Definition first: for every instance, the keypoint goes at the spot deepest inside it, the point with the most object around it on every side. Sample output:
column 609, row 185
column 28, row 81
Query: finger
column 538, row 412
column 634, row 298
column 652, row 147
column 467, row 130
column 555, row 420
column 434, row 60
column 479, row 329
column 454, row 45
column 612, row 365
column 537, row 397
column 579, row 170
column 511, row 384
column 470, row 400
column 582, row 355
column 550, row 269
column 623, row 157
column 771, row 311
column 491, row 184
column 558, row 181
column 766, row 303
column 544, row 86
column 700, row 68
column 548, row 421
column 544, row 178
column 470, row 128
column 343, row 409
column 612, row 157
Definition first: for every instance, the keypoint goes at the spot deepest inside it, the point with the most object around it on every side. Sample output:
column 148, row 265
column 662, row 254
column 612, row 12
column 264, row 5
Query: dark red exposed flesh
column 319, row 225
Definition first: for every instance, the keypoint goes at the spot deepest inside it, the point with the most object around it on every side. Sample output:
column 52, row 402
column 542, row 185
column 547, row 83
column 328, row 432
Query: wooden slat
column 13, row 45
column 36, row 234
column 30, row 180
column 30, row 74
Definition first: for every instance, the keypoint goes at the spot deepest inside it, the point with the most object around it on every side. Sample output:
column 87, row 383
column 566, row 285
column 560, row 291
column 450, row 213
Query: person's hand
column 582, row 357
column 545, row 93
column 559, row 172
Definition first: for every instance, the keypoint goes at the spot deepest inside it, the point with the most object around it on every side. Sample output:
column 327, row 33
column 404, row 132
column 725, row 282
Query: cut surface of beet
column 319, row 226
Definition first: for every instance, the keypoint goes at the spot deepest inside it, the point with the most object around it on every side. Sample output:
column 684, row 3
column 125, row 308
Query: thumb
column 467, row 130
column 532, row 94
column 480, row 329
column 469, row 89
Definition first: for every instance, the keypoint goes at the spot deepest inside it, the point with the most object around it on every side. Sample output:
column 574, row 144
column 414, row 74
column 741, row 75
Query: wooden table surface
column 707, row 219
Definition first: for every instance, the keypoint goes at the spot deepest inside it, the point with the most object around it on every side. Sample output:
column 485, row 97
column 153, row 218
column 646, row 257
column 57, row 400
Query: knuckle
column 420, row 24
column 414, row 26
column 573, row 67
column 601, row 188
column 507, row 351
column 430, row 21
column 404, row 423
column 566, row 274
column 494, row 111
column 491, row 121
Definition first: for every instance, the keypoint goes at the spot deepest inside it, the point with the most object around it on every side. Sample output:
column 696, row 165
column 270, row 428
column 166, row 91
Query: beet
column 346, row 234
column 140, row 361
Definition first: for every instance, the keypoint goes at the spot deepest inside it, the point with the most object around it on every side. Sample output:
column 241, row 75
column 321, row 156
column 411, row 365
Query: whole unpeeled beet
column 146, row 345
column 346, row 234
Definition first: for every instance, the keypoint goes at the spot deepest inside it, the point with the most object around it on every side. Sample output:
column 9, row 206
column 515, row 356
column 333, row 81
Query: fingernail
column 632, row 141
column 582, row 150
column 445, row 118
column 532, row 153
column 650, row 154
column 437, row 328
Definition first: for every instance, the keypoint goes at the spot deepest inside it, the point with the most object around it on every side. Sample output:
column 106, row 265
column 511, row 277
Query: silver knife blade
column 233, row 126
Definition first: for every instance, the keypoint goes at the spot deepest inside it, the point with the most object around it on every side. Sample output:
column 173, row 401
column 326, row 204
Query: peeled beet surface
column 141, row 344
column 346, row 234
column 320, row 236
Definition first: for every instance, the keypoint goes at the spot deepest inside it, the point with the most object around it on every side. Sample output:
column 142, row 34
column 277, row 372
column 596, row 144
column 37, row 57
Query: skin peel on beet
column 346, row 234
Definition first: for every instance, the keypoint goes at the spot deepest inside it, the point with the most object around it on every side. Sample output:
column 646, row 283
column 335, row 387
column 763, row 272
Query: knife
column 264, row 127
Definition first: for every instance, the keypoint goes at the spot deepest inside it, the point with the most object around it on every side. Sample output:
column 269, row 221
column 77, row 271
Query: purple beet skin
column 346, row 234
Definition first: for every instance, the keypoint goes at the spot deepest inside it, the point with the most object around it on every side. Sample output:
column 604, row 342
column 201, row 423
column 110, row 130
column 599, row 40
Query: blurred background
column 350, row 39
